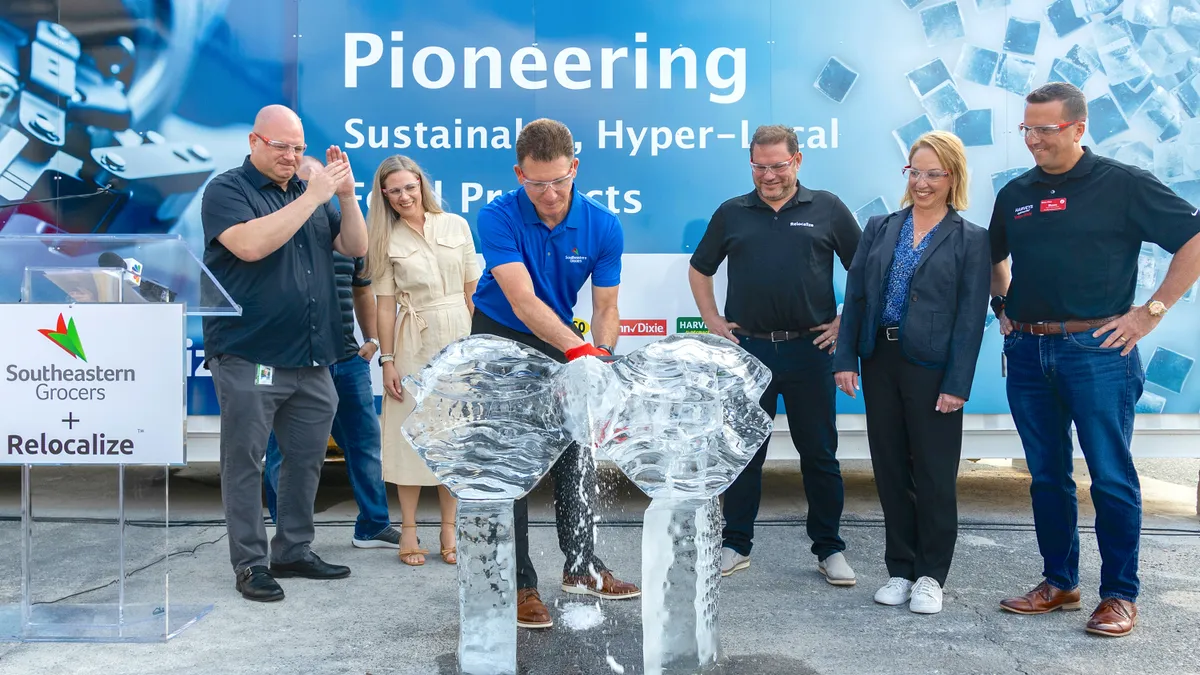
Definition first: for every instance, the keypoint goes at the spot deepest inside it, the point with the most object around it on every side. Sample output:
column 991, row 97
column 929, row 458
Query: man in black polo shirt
column 1074, row 227
column 269, row 240
column 780, row 240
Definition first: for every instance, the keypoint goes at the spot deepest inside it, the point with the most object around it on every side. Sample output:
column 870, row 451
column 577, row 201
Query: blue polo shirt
column 589, row 242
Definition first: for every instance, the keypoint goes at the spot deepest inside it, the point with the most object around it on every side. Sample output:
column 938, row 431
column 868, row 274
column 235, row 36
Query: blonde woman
column 423, row 268
column 916, row 301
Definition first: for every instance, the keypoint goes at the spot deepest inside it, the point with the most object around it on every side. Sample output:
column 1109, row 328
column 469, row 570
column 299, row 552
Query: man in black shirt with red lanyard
column 1074, row 227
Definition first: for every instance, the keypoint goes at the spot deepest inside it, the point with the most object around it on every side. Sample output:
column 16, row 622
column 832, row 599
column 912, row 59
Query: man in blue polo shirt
column 541, row 243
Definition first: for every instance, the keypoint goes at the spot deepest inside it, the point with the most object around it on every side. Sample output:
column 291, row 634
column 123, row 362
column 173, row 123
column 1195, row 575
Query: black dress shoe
column 309, row 567
column 256, row 583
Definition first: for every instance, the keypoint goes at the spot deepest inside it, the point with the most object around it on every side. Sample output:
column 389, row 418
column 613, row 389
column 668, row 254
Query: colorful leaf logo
column 65, row 336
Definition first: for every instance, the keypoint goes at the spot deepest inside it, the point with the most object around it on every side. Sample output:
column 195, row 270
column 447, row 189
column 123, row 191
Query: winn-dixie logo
column 641, row 327
column 66, row 336
column 690, row 324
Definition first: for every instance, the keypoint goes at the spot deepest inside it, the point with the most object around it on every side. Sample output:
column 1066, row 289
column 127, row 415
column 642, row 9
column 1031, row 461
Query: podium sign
column 93, row 384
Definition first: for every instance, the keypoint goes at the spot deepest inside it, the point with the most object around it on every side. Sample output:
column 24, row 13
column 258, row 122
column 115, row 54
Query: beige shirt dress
column 427, row 280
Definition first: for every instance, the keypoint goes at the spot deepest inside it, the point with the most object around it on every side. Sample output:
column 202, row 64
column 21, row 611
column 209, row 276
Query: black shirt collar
column 258, row 179
column 1082, row 168
column 802, row 196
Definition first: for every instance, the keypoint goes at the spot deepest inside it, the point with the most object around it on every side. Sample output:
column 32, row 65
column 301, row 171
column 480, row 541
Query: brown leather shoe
column 531, row 612
column 609, row 587
column 1113, row 618
column 1044, row 598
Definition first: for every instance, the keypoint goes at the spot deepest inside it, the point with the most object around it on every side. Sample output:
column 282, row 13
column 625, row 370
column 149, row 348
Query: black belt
column 890, row 333
column 776, row 335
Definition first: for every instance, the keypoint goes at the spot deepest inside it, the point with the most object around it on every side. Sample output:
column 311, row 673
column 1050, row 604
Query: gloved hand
column 585, row 349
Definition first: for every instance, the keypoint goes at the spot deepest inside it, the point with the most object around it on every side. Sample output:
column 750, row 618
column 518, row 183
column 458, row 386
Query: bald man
column 269, row 241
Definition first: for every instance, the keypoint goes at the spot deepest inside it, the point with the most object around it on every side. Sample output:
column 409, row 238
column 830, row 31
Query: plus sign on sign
column 92, row 384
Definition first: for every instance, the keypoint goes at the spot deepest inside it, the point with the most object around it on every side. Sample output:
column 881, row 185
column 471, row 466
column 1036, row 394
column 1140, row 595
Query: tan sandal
column 412, row 552
column 447, row 552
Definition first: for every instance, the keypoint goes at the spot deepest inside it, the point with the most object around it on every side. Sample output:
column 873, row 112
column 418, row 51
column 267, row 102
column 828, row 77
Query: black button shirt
column 780, row 263
column 290, row 316
column 1075, row 237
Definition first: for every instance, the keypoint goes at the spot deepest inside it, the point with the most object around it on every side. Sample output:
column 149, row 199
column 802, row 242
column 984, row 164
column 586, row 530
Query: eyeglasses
column 411, row 188
column 540, row 186
column 281, row 146
column 1044, row 129
column 779, row 168
column 930, row 176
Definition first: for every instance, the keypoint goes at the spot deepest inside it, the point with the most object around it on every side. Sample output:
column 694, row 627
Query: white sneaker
column 732, row 561
column 926, row 596
column 836, row 570
column 895, row 592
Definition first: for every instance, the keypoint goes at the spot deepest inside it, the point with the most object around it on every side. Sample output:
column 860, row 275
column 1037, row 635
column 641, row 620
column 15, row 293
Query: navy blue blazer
column 943, row 319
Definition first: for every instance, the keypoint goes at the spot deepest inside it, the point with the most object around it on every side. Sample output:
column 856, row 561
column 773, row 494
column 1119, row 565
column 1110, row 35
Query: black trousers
column 574, row 474
column 915, row 451
column 803, row 374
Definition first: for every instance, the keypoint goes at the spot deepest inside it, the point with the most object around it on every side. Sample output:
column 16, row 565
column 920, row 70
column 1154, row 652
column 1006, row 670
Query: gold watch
column 1156, row 308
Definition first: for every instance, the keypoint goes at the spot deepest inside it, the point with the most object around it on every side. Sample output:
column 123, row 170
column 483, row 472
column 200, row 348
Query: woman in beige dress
column 423, row 268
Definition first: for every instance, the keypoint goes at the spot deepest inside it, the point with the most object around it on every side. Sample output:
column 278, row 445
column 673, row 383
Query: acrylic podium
column 93, row 336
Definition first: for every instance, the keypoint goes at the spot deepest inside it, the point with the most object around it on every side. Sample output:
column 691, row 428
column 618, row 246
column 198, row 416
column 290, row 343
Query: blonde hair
column 381, row 217
column 953, row 158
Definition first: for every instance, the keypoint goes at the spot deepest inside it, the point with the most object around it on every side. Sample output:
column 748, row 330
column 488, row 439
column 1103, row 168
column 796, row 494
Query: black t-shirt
column 1075, row 237
column 289, row 302
column 780, row 263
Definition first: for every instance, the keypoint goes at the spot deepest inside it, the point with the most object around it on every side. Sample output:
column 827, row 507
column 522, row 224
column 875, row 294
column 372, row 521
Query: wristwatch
column 386, row 358
column 374, row 341
column 1156, row 308
column 998, row 304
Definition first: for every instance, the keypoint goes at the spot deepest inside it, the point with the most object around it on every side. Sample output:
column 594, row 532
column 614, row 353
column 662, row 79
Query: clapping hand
column 334, row 155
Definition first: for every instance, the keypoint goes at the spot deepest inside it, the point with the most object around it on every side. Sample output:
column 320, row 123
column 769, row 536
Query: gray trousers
column 299, row 405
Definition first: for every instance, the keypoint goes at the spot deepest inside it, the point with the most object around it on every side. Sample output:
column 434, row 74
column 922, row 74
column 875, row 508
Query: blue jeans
column 803, row 374
column 1052, row 381
column 356, row 431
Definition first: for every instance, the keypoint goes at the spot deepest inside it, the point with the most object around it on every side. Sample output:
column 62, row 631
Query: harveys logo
column 643, row 327
column 582, row 326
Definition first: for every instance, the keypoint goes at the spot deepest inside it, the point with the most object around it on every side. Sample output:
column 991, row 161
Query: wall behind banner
column 661, row 98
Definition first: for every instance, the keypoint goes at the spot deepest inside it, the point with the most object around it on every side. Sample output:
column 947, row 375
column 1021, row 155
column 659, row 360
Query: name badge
column 1059, row 204
column 264, row 375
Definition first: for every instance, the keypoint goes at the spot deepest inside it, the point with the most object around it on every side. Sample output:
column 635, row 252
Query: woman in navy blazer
column 916, row 302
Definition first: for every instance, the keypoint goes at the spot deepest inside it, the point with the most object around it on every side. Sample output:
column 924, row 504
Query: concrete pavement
column 777, row 617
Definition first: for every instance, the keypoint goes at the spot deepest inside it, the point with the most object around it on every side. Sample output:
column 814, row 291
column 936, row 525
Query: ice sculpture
column 489, row 422
column 680, row 417
column 689, row 423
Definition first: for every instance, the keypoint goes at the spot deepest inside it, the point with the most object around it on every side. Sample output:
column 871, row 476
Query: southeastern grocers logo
column 642, row 327
column 66, row 336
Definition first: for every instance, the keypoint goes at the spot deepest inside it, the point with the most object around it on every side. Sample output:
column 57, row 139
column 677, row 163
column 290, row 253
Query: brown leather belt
column 776, row 335
column 1060, row 327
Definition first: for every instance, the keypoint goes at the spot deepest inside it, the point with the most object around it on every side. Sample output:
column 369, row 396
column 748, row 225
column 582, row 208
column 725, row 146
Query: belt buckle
column 892, row 333
column 779, row 332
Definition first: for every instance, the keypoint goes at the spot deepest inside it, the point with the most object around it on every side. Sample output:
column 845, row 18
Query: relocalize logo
column 97, row 444
column 67, row 337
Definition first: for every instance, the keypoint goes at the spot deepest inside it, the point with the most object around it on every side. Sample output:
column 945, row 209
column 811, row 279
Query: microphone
column 151, row 291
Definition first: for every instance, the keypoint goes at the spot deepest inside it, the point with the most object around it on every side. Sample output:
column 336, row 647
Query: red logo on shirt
column 635, row 327
column 1059, row 204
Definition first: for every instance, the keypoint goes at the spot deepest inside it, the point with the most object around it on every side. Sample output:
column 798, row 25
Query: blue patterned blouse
column 904, row 263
